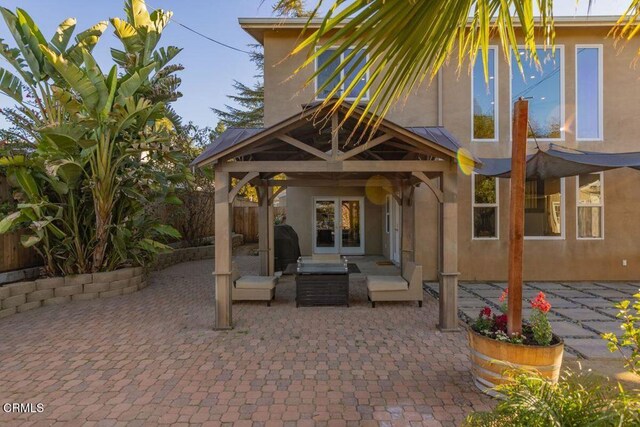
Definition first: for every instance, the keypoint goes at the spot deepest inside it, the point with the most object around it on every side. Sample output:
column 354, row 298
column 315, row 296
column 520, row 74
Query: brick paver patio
column 151, row 358
column 580, row 312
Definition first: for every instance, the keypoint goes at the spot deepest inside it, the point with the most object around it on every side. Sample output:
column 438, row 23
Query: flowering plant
column 539, row 323
column 494, row 325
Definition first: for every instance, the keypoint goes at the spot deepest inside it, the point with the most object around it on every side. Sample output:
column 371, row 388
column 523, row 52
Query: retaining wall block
column 119, row 284
column 109, row 294
column 39, row 295
column 129, row 290
column 14, row 301
column 138, row 271
column 65, row 291
column 105, row 276
column 5, row 292
column 85, row 297
column 21, row 288
column 49, row 283
column 29, row 306
column 56, row 300
column 96, row 287
column 125, row 273
column 7, row 312
column 78, row 279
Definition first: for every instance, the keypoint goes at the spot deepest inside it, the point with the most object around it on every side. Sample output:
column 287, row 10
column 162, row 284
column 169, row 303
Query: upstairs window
column 484, row 107
column 352, row 68
column 589, row 93
column 590, row 199
column 485, row 206
column 543, row 87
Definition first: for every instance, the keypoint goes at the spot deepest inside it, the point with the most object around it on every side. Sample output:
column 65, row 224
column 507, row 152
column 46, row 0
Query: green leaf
column 17, row 160
column 94, row 73
column 30, row 240
column 63, row 34
column 68, row 170
column 127, row 34
column 154, row 246
column 172, row 199
column 9, row 221
column 29, row 55
column 10, row 85
column 167, row 230
column 75, row 77
column 86, row 40
column 27, row 183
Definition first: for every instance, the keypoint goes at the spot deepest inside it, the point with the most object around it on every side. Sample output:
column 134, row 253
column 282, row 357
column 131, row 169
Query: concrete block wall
column 23, row 296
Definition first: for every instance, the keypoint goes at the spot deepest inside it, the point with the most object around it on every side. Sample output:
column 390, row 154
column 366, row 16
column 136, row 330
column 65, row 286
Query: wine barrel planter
column 491, row 358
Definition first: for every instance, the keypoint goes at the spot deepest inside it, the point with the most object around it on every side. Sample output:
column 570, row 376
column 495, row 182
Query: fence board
column 13, row 256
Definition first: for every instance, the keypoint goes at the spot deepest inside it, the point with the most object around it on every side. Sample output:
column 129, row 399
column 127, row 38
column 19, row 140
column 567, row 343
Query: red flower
column 540, row 303
column 485, row 312
column 500, row 322
column 503, row 297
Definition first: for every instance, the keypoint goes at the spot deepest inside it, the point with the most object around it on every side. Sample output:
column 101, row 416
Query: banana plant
column 102, row 143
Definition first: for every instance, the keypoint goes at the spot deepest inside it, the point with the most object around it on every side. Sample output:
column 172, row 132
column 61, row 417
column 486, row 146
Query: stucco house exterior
column 577, row 228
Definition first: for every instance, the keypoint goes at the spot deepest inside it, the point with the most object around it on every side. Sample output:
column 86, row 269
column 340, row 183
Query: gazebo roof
column 310, row 127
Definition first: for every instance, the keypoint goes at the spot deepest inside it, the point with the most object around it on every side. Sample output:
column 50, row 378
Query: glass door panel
column 351, row 226
column 325, row 226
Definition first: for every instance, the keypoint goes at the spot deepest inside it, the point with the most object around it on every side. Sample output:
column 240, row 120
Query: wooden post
column 223, row 319
column 516, row 215
column 264, row 230
column 448, row 310
column 407, row 231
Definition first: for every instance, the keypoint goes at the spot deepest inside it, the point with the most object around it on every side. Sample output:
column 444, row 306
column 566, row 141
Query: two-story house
column 584, row 95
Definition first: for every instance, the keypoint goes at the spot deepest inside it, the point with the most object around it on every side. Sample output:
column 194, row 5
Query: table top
column 320, row 268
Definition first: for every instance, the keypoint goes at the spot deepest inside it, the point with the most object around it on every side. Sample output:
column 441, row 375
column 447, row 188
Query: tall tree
column 250, row 98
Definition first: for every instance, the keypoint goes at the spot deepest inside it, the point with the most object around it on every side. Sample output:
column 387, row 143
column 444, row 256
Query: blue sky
column 210, row 69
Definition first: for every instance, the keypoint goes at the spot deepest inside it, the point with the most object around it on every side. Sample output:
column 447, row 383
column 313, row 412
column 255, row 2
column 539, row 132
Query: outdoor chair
column 252, row 288
column 407, row 287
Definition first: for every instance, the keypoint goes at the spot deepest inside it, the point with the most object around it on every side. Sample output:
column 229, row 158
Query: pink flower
column 504, row 295
column 485, row 312
column 540, row 303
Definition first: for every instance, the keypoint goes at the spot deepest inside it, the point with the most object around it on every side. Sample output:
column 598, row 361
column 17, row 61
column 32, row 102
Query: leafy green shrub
column 578, row 399
column 630, row 339
column 99, row 142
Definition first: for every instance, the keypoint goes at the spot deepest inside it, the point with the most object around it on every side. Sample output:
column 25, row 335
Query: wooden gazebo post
column 223, row 251
column 516, row 215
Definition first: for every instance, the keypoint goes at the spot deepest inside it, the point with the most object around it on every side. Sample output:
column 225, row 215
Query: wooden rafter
column 366, row 146
column 425, row 179
column 380, row 166
column 302, row 146
column 244, row 181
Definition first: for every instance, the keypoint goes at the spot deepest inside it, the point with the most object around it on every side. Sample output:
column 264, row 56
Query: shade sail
column 557, row 162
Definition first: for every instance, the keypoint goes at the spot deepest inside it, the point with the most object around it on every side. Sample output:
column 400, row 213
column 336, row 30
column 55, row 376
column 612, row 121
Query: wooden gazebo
column 313, row 149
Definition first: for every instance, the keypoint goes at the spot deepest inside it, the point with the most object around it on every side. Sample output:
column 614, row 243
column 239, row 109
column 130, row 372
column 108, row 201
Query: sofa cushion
column 256, row 282
column 386, row 283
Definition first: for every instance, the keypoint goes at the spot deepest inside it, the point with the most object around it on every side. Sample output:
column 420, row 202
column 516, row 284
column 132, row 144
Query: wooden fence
column 14, row 256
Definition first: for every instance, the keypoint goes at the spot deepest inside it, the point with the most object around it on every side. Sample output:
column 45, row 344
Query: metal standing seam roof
column 234, row 136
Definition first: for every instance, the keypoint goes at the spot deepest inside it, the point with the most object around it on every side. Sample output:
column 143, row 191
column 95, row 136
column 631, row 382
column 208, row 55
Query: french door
column 338, row 225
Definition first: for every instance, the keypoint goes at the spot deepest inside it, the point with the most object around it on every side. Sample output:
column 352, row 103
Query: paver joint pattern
column 152, row 358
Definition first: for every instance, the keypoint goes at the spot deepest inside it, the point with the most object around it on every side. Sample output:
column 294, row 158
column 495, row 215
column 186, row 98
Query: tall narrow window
column 588, row 92
column 590, row 199
column 543, row 208
column 485, row 207
column 543, row 86
column 485, row 111
column 353, row 67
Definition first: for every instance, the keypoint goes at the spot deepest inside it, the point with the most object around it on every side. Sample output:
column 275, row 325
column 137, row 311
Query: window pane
column 542, row 89
column 485, row 189
column 543, row 208
column 347, row 71
column 325, row 224
column 589, row 222
column 590, row 189
column 484, row 110
column 350, row 223
column 484, row 222
column 326, row 74
column 588, row 93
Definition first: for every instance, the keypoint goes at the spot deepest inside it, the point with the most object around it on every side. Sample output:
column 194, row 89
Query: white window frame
column 496, row 126
column 590, row 205
column 560, row 48
column 563, row 222
column 600, row 137
column 338, row 226
column 475, row 205
column 315, row 80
